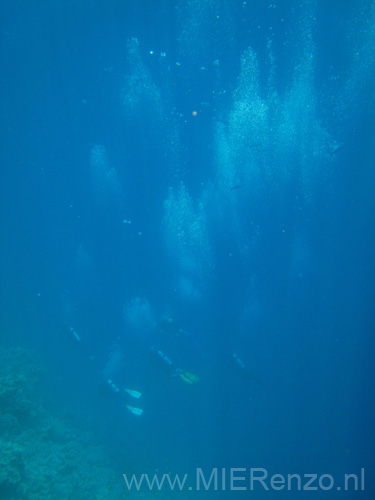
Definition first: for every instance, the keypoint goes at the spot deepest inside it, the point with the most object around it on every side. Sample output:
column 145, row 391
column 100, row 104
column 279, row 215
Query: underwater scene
column 187, row 252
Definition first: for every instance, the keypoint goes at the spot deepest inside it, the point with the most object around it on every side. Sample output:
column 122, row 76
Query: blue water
column 195, row 178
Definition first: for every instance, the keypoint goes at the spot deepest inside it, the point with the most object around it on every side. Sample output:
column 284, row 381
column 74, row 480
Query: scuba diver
column 107, row 386
column 132, row 392
column 73, row 332
column 242, row 370
column 170, row 327
column 240, row 366
column 166, row 363
column 239, row 362
column 80, row 344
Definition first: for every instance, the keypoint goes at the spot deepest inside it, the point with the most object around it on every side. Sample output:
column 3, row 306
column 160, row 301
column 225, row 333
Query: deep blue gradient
column 247, row 229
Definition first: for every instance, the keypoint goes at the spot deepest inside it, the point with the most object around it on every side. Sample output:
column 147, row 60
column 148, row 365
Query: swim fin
column 135, row 411
column 133, row 393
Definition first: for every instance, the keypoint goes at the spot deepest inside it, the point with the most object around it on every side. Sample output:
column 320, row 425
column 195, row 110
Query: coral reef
column 41, row 457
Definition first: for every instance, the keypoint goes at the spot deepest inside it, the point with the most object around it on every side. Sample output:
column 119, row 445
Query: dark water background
column 252, row 225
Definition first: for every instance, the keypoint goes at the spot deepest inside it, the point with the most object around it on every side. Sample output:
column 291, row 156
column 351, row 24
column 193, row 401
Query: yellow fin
column 188, row 377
